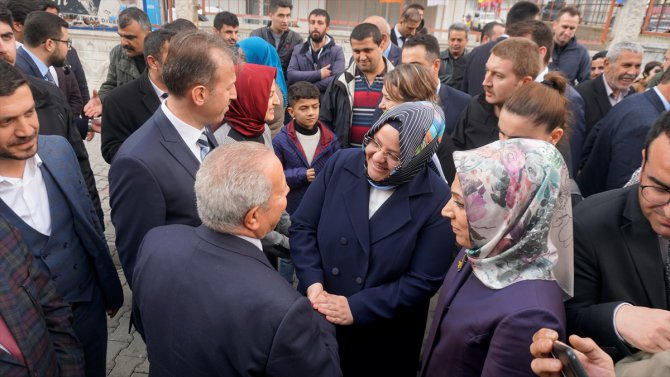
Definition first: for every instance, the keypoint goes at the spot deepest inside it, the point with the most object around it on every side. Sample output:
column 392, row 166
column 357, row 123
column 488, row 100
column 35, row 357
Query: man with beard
column 226, row 25
column 126, row 60
column 42, row 195
column 318, row 60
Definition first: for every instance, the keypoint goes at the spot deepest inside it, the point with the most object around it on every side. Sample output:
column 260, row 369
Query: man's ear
column 290, row 111
column 151, row 62
column 199, row 95
column 251, row 219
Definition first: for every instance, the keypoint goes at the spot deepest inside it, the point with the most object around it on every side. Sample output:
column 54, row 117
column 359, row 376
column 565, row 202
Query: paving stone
column 124, row 366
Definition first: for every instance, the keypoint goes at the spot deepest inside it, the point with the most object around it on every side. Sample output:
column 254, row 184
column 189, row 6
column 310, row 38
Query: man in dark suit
column 619, row 138
column 52, row 108
column 151, row 177
column 409, row 22
column 423, row 49
column 622, row 285
column 622, row 66
column 44, row 197
column 230, row 313
column 475, row 63
column 37, row 337
column 390, row 51
column 131, row 105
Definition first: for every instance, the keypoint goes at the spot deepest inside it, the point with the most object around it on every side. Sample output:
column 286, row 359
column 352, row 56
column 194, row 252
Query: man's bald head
column 384, row 29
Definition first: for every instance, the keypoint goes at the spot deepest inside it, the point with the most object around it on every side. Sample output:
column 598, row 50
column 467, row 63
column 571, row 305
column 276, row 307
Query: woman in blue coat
column 369, row 245
column 510, row 209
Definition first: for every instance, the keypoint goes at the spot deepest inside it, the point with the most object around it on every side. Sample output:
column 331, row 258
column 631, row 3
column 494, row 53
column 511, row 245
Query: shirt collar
column 540, row 77
column 158, row 90
column 40, row 65
column 29, row 171
column 609, row 90
column 188, row 133
column 397, row 33
column 388, row 50
column 666, row 104
column 254, row 241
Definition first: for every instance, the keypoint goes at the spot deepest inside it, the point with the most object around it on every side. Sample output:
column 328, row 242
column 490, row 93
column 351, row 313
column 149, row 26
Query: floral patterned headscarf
column 517, row 201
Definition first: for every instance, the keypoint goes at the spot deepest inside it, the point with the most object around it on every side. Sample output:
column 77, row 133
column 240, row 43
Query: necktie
column 667, row 276
column 164, row 96
column 203, row 143
column 49, row 78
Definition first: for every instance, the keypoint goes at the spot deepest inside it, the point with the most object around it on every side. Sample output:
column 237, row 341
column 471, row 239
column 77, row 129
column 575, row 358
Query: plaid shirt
column 39, row 320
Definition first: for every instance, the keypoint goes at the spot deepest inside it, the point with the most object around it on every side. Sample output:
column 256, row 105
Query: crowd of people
column 281, row 211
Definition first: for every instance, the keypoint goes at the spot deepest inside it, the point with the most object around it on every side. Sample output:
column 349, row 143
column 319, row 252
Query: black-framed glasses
column 655, row 195
column 69, row 41
column 391, row 158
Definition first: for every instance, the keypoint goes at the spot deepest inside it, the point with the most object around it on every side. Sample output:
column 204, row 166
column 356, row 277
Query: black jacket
column 475, row 64
column 286, row 44
column 477, row 126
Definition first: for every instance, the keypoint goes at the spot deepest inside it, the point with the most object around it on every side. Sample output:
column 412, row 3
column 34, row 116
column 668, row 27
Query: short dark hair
column 428, row 41
column 180, row 24
column 539, row 32
column 302, row 90
column 660, row 127
column 599, row 55
column 5, row 15
column 571, row 10
column 411, row 14
column 21, row 8
column 416, row 6
column 320, row 12
column 11, row 79
column 131, row 14
column 487, row 30
column 366, row 30
column 275, row 4
column 48, row 4
column 41, row 26
column 225, row 18
column 521, row 11
column 458, row 26
column 190, row 61
column 154, row 42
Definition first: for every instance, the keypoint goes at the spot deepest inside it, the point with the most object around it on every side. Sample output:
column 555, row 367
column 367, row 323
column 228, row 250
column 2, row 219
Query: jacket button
column 359, row 280
column 65, row 245
column 335, row 271
column 75, row 266
column 343, row 241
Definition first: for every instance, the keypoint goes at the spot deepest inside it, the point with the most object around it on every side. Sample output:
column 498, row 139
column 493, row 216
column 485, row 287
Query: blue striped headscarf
column 258, row 51
column 421, row 125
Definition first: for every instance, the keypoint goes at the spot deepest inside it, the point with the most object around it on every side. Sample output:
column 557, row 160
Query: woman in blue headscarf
column 257, row 51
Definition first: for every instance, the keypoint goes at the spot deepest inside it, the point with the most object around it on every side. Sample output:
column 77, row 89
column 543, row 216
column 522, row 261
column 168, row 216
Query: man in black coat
column 621, row 258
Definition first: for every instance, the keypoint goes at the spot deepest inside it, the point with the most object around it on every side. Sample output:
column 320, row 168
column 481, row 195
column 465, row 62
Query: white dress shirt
column 188, row 133
column 27, row 196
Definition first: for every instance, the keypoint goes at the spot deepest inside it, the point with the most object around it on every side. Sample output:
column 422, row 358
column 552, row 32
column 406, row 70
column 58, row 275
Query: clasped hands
column 334, row 307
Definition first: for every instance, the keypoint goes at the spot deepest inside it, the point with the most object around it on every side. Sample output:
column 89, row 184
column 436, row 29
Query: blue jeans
column 286, row 269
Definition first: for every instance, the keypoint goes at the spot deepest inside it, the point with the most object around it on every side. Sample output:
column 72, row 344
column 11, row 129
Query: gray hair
column 131, row 14
column 459, row 26
column 616, row 49
column 230, row 182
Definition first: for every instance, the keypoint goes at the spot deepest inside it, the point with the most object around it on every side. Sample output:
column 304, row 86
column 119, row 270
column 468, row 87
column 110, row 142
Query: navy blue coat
column 302, row 66
column 395, row 54
column 293, row 159
column 387, row 266
column 619, row 139
column 572, row 60
column 479, row 331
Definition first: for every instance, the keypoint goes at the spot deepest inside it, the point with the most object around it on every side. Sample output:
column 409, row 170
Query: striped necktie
column 48, row 77
column 203, row 143
column 666, row 273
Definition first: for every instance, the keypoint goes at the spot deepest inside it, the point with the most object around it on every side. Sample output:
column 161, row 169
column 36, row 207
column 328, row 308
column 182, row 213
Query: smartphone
column 572, row 367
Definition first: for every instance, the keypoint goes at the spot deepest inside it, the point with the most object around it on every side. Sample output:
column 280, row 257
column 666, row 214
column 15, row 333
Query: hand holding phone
column 572, row 367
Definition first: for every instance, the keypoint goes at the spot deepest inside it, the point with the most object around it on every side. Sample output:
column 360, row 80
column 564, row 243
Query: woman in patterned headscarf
column 368, row 241
column 511, row 212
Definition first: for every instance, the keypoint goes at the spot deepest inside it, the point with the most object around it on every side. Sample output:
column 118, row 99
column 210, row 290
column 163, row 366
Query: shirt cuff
column 616, row 331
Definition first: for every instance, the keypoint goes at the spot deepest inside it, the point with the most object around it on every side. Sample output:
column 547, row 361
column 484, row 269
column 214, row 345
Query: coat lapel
column 392, row 215
column 601, row 96
column 149, row 97
column 641, row 239
column 356, row 199
column 174, row 144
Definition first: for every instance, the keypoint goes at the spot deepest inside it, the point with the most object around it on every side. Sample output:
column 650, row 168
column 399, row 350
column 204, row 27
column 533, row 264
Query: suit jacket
column 387, row 266
column 479, row 331
column 596, row 102
column 617, row 260
column 59, row 159
column 475, row 65
column 453, row 103
column 476, row 126
column 151, row 184
column 210, row 304
column 126, row 109
column 55, row 118
column 395, row 54
column 39, row 320
column 617, row 142
column 68, row 85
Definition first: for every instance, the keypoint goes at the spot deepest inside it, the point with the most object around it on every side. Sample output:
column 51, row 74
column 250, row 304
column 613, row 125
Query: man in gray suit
column 206, row 298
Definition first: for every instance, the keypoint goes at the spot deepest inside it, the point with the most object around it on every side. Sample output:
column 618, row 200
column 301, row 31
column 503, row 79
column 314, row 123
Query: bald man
column 391, row 51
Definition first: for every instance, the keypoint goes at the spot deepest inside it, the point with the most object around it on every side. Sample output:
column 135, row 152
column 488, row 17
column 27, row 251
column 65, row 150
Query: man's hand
column 314, row 291
column 93, row 108
column 644, row 328
column 335, row 308
column 596, row 362
column 325, row 72
column 311, row 174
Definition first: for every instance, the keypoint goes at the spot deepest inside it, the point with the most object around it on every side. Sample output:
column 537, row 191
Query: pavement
column 126, row 352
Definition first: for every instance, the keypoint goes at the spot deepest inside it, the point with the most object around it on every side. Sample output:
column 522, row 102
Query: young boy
column 303, row 146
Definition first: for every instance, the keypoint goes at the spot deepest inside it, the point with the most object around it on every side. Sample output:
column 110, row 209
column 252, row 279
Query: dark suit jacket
column 210, row 304
column 37, row 317
column 151, row 184
column 68, row 85
column 55, row 118
column 476, row 126
column 126, row 109
column 388, row 266
column 618, row 140
column 479, row 331
column 617, row 260
column 395, row 54
column 475, row 65
column 453, row 103
column 596, row 102
column 59, row 159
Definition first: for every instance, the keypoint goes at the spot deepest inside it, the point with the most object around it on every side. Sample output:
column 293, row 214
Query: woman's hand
column 314, row 291
column 335, row 308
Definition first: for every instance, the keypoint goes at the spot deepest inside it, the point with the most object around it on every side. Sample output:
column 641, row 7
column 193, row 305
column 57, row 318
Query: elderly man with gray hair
column 206, row 298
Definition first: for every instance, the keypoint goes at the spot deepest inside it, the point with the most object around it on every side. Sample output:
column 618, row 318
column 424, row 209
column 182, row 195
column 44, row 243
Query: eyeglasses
column 657, row 196
column 391, row 158
column 69, row 42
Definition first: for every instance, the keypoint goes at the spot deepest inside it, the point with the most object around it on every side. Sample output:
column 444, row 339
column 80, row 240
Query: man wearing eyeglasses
column 622, row 262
